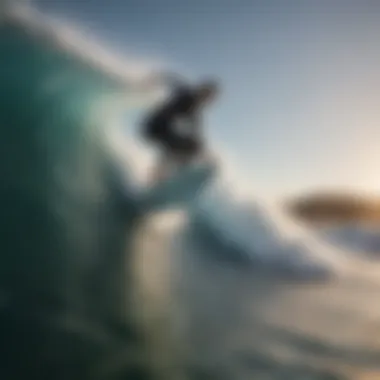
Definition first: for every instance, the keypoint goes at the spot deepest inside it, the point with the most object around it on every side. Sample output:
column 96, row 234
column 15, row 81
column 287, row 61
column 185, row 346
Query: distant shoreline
column 335, row 208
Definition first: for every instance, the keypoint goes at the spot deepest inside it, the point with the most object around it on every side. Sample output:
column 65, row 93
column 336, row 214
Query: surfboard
column 180, row 189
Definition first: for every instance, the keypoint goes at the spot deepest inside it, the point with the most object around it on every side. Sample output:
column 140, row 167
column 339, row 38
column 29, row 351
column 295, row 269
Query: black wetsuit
column 161, row 125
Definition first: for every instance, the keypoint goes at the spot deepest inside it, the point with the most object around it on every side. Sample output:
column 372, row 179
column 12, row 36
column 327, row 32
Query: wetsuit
column 162, row 127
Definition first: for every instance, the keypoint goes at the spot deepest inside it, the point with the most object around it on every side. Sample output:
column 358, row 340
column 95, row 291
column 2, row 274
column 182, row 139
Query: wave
column 68, row 229
column 356, row 238
column 127, row 72
column 260, row 233
column 67, row 245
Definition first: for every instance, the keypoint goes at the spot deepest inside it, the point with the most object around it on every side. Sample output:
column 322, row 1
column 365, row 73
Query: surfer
column 175, row 126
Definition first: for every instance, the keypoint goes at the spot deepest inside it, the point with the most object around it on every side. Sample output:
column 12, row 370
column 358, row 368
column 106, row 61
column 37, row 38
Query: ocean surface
column 238, row 320
column 228, row 288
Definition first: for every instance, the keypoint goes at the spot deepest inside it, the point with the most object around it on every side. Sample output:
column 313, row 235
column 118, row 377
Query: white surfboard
column 180, row 189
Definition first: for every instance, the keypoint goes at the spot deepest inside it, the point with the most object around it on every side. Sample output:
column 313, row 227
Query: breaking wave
column 253, row 230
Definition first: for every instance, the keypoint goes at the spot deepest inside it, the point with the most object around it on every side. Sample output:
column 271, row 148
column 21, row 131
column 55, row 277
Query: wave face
column 65, row 247
column 54, row 150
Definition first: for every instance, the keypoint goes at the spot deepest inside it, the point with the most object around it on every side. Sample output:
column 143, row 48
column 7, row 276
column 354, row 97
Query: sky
column 300, row 107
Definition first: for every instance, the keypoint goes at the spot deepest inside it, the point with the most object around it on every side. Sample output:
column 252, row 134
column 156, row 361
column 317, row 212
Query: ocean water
column 92, row 288
column 232, row 319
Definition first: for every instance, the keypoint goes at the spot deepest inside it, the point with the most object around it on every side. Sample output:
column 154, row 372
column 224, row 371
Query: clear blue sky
column 301, row 102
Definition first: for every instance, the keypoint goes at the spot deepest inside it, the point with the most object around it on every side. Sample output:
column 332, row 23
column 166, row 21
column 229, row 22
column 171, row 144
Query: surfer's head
column 207, row 91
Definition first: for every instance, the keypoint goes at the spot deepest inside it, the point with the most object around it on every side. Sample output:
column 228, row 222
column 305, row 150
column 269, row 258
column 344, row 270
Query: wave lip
column 126, row 73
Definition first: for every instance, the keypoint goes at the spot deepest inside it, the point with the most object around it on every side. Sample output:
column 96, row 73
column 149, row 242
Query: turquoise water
column 45, row 125
column 64, row 243
column 66, row 256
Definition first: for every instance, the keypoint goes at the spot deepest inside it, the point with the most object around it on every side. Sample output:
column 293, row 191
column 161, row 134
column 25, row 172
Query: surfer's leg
column 169, row 162
column 165, row 166
column 180, row 151
column 177, row 152
column 157, row 133
column 188, row 149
